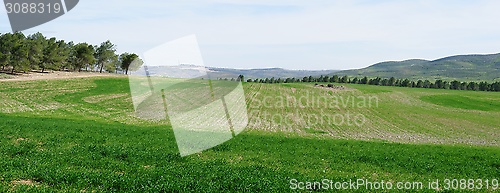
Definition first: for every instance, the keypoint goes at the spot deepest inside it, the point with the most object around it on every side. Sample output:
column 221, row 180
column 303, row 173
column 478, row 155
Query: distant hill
column 461, row 67
column 266, row 73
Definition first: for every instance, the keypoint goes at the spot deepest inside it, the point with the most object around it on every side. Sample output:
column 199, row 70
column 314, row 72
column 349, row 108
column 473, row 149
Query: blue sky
column 320, row 34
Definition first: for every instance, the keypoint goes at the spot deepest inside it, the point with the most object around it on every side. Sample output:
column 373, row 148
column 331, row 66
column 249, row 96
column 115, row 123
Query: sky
column 292, row 34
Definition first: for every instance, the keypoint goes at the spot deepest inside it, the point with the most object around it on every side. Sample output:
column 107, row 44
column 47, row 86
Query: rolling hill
column 461, row 67
column 82, row 135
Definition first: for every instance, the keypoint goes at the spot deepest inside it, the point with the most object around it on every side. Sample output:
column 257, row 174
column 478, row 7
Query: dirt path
column 55, row 75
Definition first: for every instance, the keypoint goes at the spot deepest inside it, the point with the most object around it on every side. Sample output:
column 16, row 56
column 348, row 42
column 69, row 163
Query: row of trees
column 438, row 84
column 20, row 53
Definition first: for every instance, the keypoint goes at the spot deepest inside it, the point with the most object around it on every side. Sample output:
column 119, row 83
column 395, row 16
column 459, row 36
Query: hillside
column 462, row 67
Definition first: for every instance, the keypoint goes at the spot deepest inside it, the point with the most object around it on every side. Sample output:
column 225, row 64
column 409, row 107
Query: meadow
column 82, row 135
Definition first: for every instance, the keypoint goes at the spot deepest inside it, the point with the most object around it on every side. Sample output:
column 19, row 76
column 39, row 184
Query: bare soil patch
column 99, row 98
column 20, row 139
column 333, row 87
column 25, row 182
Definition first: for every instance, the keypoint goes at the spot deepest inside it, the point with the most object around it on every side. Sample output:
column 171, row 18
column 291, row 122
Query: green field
column 81, row 135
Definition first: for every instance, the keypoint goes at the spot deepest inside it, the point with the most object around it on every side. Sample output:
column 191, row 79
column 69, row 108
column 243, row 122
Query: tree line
column 21, row 53
column 438, row 84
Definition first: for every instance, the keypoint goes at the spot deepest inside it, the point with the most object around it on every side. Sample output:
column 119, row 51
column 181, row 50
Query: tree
column 105, row 54
column 344, row 79
column 326, row 79
column 384, row 82
column 37, row 43
column 392, row 81
column 406, row 83
column 439, row 84
column 2, row 58
column 427, row 84
column 355, row 80
column 83, row 55
column 463, row 86
column 63, row 50
column 420, row 84
column 241, row 78
column 53, row 55
column 114, row 65
column 334, row 78
column 483, row 86
column 375, row 81
column 472, row 86
column 130, row 62
column 397, row 83
column 6, row 43
column 364, row 80
column 446, row 85
column 19, row 53
column 455, row 85
column 495, row 86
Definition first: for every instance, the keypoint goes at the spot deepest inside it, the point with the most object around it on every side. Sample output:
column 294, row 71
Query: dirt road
column 54, row 75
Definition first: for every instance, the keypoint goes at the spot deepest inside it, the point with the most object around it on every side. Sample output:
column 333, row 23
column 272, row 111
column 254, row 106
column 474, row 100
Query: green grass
column 78, row 155
column 81, row 135
column 463, row 102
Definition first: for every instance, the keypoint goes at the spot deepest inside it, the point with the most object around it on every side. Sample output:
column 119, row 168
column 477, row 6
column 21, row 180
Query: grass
column 463, row 102
column 80, row 135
